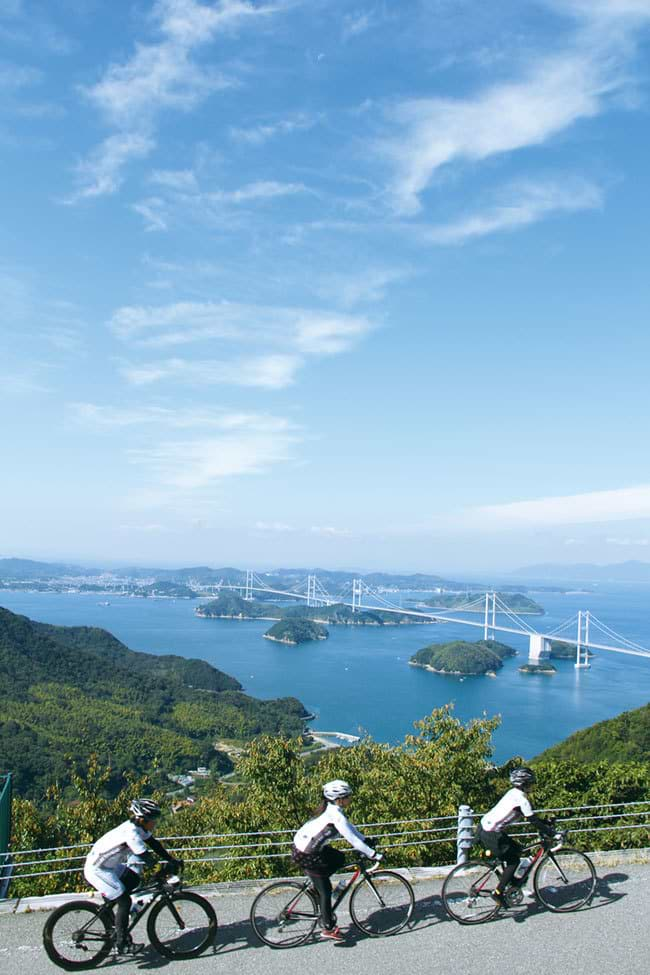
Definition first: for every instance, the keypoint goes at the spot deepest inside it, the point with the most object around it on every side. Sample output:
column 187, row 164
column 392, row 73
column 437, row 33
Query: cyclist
column 319, row 860
column 493, row 828
column 117, row 859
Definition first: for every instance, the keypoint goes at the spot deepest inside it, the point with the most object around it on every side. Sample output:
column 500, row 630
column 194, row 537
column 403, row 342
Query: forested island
column 296, row 631
column 67, row 692
column 230, row 606
column 516, row 602
column 461, row 657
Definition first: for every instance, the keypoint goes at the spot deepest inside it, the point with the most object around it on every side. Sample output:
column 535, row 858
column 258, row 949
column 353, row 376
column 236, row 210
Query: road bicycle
column 180, row 924
column 286, row 913
column 563, row 880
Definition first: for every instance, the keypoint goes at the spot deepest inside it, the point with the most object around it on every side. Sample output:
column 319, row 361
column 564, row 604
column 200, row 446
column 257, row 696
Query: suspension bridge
column 582, row 629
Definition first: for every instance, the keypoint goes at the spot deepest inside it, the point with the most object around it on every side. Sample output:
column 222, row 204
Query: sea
column 359, row 681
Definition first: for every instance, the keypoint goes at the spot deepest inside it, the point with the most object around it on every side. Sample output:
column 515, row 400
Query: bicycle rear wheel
column 467, row 892
column 565, row 880
column 77, row 936
column 382, row 903
column 284, row 914
column 182, row 925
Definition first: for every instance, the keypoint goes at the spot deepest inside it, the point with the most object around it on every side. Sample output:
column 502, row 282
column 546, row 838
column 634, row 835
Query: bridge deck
column 611, row 936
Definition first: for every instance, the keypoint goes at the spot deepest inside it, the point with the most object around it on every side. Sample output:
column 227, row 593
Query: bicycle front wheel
column 284, row 914
column 382, row 903
column 77, row 936
column 565, row 880
column 182, row 925
column 467, row 892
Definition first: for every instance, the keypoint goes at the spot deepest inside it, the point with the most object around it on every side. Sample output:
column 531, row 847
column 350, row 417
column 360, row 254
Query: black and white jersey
column 333, row 822
column 114, row 848
column 511, row 808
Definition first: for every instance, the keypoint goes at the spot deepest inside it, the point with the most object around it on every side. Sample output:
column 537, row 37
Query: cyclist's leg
column 323, row 888
column 510, row 853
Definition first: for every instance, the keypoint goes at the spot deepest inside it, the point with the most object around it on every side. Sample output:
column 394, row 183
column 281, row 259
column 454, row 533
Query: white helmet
column 337, row 789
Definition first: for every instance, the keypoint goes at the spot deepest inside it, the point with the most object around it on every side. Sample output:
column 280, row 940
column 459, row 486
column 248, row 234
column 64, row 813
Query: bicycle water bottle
column 342, row 884
column 139, row 903
column 522, row 869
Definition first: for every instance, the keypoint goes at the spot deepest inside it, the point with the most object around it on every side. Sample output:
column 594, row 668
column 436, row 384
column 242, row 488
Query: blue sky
column 325, row 283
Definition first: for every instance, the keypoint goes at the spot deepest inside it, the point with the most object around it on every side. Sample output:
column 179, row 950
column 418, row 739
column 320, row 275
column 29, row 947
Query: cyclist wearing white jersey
column 319, row 860
column 116, row 861
column 493, row 828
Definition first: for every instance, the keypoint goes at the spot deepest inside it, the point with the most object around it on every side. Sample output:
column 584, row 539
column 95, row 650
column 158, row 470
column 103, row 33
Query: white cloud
column 157, row 77
column 520, row 205
column 177, row 418
column 329, row 531
column 627, row 542
column 256, row 135
column 598, row 506
column 152, row 212
column 101, row 172
column 555, row 93
column 360, row 286
column 274, row 527
column 266, row 372
column 198, row 464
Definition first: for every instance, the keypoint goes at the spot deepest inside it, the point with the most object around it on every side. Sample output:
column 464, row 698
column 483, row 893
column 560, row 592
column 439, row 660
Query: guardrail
column 438, row 840
column 5, row 833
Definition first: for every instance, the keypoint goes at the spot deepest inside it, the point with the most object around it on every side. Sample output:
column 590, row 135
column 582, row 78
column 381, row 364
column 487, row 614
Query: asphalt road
column 610, row 936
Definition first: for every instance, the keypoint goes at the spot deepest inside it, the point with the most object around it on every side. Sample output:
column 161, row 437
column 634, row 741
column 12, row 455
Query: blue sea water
column 360, row 681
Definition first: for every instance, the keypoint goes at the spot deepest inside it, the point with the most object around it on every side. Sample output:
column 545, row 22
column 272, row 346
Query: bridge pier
column 539, row 648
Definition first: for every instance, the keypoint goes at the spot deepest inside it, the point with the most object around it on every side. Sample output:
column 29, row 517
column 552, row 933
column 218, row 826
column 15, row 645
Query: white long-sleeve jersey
column 113, row 848
column 333, row 822
column 511, row 808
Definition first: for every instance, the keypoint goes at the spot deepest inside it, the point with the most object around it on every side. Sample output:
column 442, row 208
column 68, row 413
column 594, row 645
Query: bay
column 360, row 680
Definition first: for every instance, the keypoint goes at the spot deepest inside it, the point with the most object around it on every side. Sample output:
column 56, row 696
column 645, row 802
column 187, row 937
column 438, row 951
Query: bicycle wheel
column 382, row 903
column 467, row 892
column 565, row 880
column 182, row 925
column 284, row 914
column 77, row 935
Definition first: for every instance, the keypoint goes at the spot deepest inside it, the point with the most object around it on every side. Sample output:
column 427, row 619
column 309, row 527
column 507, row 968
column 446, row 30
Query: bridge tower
column 248, row 594
column 357, row 592
column 582, row 660
column 490, row 597
column 311, row 590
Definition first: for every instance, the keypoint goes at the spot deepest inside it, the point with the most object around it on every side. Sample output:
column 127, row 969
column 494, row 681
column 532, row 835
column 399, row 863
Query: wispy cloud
column 159, row 76
column 274, row 527
column 519, row 205
column 286, row 336
column 257, row 135
column 434, row 132
column 201, row 463
column 111, row 417
column 329, row 531
column 621, row 504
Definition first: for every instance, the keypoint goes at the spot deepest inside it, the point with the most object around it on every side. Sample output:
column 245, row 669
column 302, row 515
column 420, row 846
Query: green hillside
column 296, row 631
column 70, row 691
column 516, row 602
column 462, row 657
column 625, row 738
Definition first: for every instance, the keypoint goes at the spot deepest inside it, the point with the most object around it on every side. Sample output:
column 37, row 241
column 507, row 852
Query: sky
column 325, row 283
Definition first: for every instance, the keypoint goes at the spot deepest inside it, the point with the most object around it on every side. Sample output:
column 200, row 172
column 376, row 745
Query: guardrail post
column 464, row 833
column 5, row 834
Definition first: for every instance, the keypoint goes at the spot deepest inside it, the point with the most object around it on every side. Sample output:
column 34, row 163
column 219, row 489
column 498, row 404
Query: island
column 296, row 631
column 230, row 606
column 461, row 657
column 543, row 667
column 516, row 602
column 566, row 651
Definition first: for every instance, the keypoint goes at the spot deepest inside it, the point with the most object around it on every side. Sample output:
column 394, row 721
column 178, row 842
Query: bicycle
column 564, row 880
column 180, row 924
column 286, row 913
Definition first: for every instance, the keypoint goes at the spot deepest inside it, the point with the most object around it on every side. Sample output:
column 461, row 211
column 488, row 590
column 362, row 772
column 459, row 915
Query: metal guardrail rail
column 628, row 821
column 5, row 833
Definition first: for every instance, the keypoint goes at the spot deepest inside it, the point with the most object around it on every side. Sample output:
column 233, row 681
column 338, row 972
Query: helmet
column 521, row 777
column 145, row 809
column 337, row 789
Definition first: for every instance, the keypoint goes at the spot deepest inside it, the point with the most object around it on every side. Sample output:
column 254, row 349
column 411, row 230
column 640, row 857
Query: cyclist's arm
column 160, row 850
column 352, row 835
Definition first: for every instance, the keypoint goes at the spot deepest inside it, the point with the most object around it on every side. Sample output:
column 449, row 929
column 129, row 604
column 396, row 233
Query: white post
column 464, row 833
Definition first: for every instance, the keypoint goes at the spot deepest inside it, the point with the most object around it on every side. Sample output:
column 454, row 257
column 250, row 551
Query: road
column 612, row 935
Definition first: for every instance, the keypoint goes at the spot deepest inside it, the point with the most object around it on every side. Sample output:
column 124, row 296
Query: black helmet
column 522, row 777
column 145, row 809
